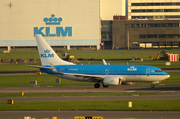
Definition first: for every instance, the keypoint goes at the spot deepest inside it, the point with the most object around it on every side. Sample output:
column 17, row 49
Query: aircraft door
column 106, row 71
column 148, row 70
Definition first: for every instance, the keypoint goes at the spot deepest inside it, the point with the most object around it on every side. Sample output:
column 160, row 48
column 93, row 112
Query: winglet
column 104, row 62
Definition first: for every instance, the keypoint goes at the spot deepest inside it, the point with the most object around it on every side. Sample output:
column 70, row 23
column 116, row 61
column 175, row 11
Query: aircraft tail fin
column 47, row 54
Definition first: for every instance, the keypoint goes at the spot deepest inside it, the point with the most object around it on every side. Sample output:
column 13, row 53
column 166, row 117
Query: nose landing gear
column 154, row 82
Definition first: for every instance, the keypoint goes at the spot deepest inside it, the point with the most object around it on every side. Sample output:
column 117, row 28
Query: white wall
column 19, row 17
column 109, row 8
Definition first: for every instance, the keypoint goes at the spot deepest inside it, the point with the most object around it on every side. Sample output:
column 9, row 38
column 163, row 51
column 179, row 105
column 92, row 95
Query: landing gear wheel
column 152, row 86
column 105, row 86
column 97, row 85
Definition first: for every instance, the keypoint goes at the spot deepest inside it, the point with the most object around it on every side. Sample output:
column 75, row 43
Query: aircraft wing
column 98, row 77
column 77, row 75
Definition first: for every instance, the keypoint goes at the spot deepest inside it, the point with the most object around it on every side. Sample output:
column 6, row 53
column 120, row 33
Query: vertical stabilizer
column 47, row 54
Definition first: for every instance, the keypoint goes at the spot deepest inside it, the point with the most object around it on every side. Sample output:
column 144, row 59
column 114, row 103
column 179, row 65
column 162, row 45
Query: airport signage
column 60, row 31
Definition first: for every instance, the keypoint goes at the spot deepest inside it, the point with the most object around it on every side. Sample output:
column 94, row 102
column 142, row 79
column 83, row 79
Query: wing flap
column 99, row 77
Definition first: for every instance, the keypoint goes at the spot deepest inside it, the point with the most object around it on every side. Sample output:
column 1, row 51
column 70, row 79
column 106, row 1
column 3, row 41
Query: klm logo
column 47, row 54
column 132, row 68
column 60, row 31
column 112, row 81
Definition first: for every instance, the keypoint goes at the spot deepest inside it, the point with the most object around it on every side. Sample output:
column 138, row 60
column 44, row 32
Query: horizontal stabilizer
column 42, row 67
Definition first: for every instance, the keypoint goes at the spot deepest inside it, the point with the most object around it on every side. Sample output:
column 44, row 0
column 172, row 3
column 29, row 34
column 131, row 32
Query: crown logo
column 52, row 20
column 132, row 68
column 112, row 80
column 47, row 51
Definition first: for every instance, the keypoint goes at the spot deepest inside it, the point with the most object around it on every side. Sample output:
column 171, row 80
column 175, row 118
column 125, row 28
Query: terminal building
column 141, row 34
column 149, row 24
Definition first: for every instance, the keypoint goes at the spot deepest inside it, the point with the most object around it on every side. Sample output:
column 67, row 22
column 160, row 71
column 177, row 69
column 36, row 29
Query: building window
column 175, row 43
column 151, row 36
column 154, row 25
column 155, row 43
column 168, row 43
column 154, row 10
column 149, row 25
column 162, row 43
column 159, row 36
column 142, row 36
column 142, row 25
column 150, row 17
column 136, row 25
column 129, row 25
column 156, row 4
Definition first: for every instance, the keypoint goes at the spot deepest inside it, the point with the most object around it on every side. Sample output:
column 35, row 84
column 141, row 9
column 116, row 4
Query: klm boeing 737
column 108, row 75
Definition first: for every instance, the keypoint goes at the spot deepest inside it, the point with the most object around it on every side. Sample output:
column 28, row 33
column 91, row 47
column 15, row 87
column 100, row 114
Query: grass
column 2, row 95
column 49, row 80
column 102, row 54
column 22, row 54
column 23, row 67
column 117, row 105
column 18, row 67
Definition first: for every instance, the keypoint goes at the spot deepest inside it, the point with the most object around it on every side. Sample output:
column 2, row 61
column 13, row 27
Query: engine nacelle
column 112, row 81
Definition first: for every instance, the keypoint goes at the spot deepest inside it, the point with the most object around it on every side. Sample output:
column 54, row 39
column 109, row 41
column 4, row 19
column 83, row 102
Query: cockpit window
column 158, row 71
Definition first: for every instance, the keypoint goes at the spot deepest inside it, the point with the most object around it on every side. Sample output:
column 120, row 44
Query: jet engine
column 112, row 81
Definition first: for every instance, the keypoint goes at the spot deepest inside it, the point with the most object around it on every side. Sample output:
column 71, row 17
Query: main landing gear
column 105, row 86
column 97, row 85
column 152, row 85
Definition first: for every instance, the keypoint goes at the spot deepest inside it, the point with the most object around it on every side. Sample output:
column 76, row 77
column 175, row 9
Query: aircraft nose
column 166, row 76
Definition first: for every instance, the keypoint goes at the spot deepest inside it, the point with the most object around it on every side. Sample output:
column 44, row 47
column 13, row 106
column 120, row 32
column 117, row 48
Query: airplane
column 108, row 75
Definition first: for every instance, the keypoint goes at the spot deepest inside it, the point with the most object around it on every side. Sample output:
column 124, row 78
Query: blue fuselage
column 126, row 72
column 108, row 70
